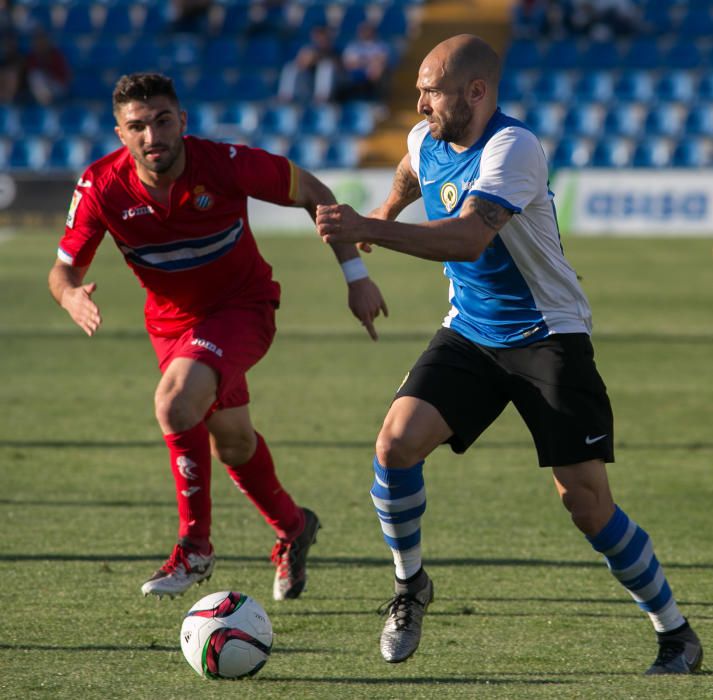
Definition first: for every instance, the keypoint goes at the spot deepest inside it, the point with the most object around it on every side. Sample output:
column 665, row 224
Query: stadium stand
column 640, row 95
column 638, row 98
column 226, row 74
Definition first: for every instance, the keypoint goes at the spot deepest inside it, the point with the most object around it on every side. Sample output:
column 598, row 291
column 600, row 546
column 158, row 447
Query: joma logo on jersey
column 208, row 346
column 136, row 211
column 449, row 196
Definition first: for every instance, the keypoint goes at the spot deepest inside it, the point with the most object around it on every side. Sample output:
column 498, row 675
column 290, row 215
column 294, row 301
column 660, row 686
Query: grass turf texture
column 524, row 608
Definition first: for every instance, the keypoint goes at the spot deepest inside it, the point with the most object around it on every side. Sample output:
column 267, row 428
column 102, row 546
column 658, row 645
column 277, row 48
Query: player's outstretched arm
column 365, row 299
column 67, row 288
column 462, row 238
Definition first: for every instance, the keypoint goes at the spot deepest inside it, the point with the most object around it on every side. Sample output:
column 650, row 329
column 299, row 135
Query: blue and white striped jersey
column 522, row 288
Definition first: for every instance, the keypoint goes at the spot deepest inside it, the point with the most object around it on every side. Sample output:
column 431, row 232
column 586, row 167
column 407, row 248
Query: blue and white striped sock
column 399, row 496
column 630, row 557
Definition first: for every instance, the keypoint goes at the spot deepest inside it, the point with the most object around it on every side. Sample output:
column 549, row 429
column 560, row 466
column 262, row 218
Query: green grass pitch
column 524, row 608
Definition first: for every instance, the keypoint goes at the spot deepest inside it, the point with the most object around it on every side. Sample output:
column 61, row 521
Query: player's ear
column 183, row 119
column 477, row 89
column 117, row 131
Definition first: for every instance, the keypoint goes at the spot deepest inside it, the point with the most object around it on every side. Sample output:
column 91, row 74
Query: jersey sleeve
column 414, row 141
column 264, row 175
column 512, row 169
column 85, row 227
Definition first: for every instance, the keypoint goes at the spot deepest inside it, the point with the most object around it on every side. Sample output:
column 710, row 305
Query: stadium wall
column 589, row 202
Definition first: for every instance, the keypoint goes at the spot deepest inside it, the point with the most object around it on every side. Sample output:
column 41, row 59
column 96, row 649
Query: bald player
column 518, row 330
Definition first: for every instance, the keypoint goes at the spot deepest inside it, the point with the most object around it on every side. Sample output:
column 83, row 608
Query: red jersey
column 196, row 255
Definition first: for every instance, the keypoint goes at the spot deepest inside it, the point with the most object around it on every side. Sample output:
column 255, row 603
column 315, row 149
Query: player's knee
column 588, row 512
column 237, row 451
column 174, row 412
column 396, row 449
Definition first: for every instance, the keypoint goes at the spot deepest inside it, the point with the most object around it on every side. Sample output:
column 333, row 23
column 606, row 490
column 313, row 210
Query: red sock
column 258, row 481
column 190, row 464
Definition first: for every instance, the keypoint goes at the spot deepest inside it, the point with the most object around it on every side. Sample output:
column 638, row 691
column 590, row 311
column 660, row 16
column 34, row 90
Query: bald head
column 463, row 58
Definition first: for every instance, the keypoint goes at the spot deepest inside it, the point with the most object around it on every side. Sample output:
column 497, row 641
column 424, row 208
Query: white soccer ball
column 226, row 635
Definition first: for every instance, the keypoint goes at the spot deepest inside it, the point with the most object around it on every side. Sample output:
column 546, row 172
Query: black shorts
column 553, row 383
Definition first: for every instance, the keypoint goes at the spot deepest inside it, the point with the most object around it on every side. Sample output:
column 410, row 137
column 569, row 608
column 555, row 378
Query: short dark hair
column 142, row 87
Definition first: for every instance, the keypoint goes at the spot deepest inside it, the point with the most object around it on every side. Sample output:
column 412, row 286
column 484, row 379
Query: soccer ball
column 226, row 635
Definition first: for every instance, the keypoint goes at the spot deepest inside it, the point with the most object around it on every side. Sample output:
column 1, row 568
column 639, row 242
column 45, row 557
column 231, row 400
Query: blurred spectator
column 312, row 73
column 602, row 19
column 12, row 66
column 48, row 72
column 190, row 15
column 365, row 64
column 6, row 19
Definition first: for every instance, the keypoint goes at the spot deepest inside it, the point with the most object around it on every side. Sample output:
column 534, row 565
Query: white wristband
column 354, row 270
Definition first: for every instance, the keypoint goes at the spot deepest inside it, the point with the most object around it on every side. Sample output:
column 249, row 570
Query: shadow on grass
column 317, row 561
column 323, row 444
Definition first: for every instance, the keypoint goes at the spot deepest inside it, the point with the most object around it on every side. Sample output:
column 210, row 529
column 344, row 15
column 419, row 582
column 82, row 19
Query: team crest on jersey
column 449, row 196
column 202, row 200
column 76, row 199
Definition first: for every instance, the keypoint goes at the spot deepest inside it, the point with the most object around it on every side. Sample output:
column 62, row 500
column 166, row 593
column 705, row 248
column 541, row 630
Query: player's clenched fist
column 339, row 223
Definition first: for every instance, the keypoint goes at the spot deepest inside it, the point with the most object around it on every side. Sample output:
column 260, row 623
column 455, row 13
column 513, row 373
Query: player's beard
column 168, row 157
column 454, row 125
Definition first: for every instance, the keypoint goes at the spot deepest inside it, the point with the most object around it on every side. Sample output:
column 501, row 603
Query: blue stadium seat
column 28, row 154
column 263, row 52
column 104, row 53
column 68, row 154
column 314, row 15
column 357, row 118
column 394, row 21
column 522, row 54
column 221, row 53
column 9, row 121
column 601, row 55
column 118, row 20
column 583, row 120
column 307, row 152
column 36, row 120
column 699, row 121
column 595, row 86
column 664, row 120
column 77, row 120
column 612, row 153
column 89, row 85
column 201, row 119
column 692, row 153
column 624, row 120
column 78, row 20
column 319, row 120
column 342, row 153
column 271, row 143
column 40, row 15
column 143, row 55
column 643, row 52
column 553, row 86
column 571, row 152
column 697, row 22
column 657, row 17
column 675, row 86
column 545, row 119
column 254, row 87
column 705, row 87
column 102, row 147
column 561, row 53
column 634, row 86
column 683, row 54
column 515, row 85
column 652, row 153
column 214, row 87
column 155, row 20
column 280, row 119
column 243, row 117
column 354, row 15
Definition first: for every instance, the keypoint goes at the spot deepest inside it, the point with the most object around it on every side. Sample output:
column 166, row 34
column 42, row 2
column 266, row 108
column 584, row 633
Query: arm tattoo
column 493, row 215
column 405, row 185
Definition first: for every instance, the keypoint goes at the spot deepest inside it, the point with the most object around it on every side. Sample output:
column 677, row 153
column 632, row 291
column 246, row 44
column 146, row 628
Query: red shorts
column 230, row 341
